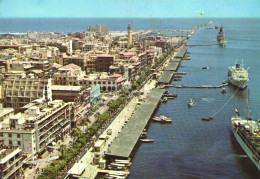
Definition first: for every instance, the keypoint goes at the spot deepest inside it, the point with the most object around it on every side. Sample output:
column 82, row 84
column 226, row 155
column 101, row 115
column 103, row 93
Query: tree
column 75, row 133
column 63, row 149
column 84, row 123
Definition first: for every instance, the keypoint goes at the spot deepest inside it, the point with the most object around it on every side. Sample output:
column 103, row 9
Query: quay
column 124, row 143
column 172, row 67
column 203, row 86
column 203, row 45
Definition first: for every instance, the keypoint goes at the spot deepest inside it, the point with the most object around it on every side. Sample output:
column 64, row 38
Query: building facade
column 38, row 125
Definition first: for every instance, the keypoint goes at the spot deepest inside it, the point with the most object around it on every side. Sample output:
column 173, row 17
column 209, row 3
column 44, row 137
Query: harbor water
column 188, row 147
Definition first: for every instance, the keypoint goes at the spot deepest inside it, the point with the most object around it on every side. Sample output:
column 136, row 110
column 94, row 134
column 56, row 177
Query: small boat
column 205, row 68
column 143, row 135
column 223, row 90
column 169, row 95
column 176, row 79
column 147, row 140
column 191, row 103
column 207, row 118
column 162, row 119
column 164, row 99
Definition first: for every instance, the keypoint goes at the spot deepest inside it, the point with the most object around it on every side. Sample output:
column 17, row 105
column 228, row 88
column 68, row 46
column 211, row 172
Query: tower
column 129, row 36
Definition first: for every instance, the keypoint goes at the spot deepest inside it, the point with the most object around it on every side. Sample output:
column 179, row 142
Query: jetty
column 203, row 45
column 124, row 143
column 203, row 86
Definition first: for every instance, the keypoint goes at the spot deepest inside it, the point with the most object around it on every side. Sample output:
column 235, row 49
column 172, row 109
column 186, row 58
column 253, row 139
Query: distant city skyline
column 129, row 8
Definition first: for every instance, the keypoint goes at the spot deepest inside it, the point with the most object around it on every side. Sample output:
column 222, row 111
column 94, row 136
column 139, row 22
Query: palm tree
column 63, row 149
column 75, row 133
column 84, row 123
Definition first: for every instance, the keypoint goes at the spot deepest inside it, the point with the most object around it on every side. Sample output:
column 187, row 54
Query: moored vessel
column 247, row 134
column 238, row 76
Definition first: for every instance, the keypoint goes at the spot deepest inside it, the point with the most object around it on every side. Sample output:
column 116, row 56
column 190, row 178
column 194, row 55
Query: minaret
column 129, row 36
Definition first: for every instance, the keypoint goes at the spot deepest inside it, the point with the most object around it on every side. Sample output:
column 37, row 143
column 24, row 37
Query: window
column 10, row 135
column 19, row 142
column 18, row 135
column 10, row 142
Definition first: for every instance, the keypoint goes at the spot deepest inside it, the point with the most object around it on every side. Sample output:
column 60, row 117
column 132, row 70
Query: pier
column 203, row 45
column 126, row 140
column 181, row 53
column 203, row 86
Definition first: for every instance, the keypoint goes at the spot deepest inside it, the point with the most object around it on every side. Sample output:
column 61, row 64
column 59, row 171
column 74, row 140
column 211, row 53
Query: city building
column 98, row 28
column 70, row 74
column 11, row 161
column 103, row 62
column 21, row 91
column 38, row 125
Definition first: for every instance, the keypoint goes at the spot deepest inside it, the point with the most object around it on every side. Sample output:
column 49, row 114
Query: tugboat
column 207, row 118
column 191, row 103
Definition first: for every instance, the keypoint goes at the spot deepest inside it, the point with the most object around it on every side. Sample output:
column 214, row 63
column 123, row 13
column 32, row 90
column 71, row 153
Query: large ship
column 238, row 76
column 247, row 133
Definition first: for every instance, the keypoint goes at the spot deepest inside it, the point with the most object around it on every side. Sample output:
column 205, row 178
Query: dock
column 203, row 86
column 181, row 53
column 126, row 140
column 202, row 45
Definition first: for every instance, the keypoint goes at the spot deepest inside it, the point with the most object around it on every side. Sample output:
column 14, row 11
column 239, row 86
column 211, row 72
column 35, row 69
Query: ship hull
column 239, row 83
column 245, row 148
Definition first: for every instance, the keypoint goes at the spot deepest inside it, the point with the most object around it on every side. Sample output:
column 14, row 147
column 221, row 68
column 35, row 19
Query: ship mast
column 248, row 105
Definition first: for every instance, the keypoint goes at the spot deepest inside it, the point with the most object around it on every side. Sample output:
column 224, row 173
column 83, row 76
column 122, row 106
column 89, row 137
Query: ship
column 238, row 76
column 247, row 134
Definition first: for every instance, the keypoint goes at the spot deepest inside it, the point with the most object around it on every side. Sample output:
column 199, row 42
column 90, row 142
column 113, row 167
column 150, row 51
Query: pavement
column 37, row 169
column 116, row 127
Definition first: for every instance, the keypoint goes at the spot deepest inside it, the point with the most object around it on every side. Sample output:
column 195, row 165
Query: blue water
column 202, row 149
column 199, row 149
column 66, row 25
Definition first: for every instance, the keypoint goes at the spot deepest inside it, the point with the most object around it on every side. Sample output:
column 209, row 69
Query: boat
column 205, row 68
column 238, row 76
column 247, row 134
column 164, row 100
column 169, row 95
column 143, row 135
column 191, row 103
column 216, row 26
column 147, row 140
column 223, row 90
column 207, row 118
column 162, row 119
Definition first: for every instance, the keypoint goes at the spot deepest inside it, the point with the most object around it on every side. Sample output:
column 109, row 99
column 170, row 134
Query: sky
column 129, row 8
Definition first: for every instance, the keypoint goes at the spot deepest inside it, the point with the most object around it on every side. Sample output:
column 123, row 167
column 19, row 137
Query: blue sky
column 129, row 8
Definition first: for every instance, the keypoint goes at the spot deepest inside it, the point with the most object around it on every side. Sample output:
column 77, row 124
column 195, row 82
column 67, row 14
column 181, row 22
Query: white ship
column 247, row 133
column 238, row 76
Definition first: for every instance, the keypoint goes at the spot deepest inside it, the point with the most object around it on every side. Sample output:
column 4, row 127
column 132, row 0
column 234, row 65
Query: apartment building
column 11, row 161
column 38, row 125
column 103, row 62
column 21, row 91
column 68, row 75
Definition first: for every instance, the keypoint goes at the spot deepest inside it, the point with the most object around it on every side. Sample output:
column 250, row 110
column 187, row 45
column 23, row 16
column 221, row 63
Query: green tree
column 75, row 133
